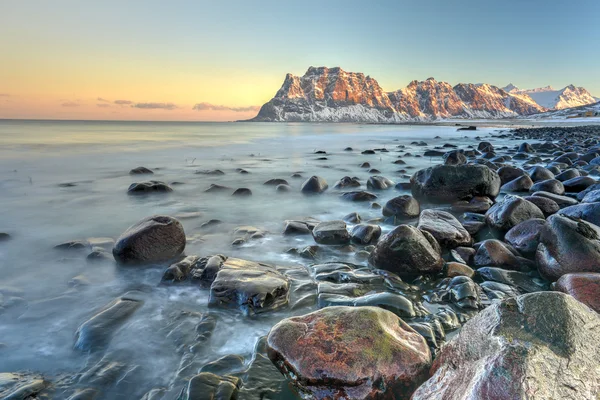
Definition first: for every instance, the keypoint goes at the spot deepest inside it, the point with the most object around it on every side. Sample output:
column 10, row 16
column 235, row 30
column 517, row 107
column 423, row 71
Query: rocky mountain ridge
column 555, row 99
column 333, row 95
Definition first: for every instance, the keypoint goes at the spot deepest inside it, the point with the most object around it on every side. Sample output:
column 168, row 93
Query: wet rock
column 367, row 152
column 365, row 165
column 472, row 222
column 207, row 386
column 589, row 212
column 296, row 228
column 148, row 187
column 282, row 188
column 578, row 184
column 525, row 236
column 352, row 218
column 455, row 158
column 568, row 246
column 568, row 174
column 331, row 233
column 462, row 291
column 513, row 350
column 4, row 237
column 22, row 386
column 96, row 332
column 550, row 185
column 395, row 303
column 84, row 394
column 276, row 181
column 217, row 188
column 210, row 172
column 546, row 205
column 73, row 245
column 402, row 207
column 511, row 211
column 585, row 287
column 494, row 253
column 331, row 353
column 140, row 170
column 498, row 291
column 346, row 182
column 466, row 254
column 590, row 197
column 379, row 182
column 509, row 173
column 99, row 254
column 224, row 365
column 526, row 148
column 446, row 183
column 519, row 281
column 478, row 204
column 358, row 196
column 540, row 174
column 365, row 233
column 249, row 286
column 446, row 229
column 180, row 270
column 314, row 184
column 454, row 269
column 154, row 239
column 407, row 251
column 242, row 192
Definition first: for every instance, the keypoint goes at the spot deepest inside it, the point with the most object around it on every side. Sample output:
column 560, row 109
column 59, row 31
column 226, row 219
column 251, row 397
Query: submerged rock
column 331, row 233
column 22, row 386
column 153, row 239
column 140, row 170
column 149, row 187
column 314, row 184
column 449, row 183
column 208, row 386
column 365, row 233
column 407, row 251
column 540, row 345
column 402, row 207
column 379, row 182
column 96, row 332
column 331, row 353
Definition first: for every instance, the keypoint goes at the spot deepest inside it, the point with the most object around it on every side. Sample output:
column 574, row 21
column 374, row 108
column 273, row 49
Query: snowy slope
column 556, row 99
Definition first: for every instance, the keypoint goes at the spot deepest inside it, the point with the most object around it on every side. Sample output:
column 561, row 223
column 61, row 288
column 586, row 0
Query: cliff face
column 334, row 95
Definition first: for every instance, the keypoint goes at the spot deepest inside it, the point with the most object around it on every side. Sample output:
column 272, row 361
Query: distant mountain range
column 333, row 95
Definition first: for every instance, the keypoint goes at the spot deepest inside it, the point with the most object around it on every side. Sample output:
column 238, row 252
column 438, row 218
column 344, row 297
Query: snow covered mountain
column 553, row 99
column 333, row 95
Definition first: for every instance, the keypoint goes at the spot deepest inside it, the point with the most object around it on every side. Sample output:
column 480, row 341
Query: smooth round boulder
column 140, row 171
column 525, row 236
column 408, row 252
column 537, row 346
column 494, row 253
column 331, row 354
column 568, row 174
column 345, row 182
column 511, row 211
column 455, row 158
column 585, row 287
column 154, row 239
column 521, row 184
column 450, row 183
column 148, row 187
column 509, row 173
column 314, row 184
column 331, row 233
column 562, row 201
column 446, row 229
column 589, row 212
column 540, row 174
column 358, row 196
column 365, row 233
column 578, row 184
column 379, row 182
column 402, row 207
column 549, row 185
column 546, row 205
column 566, row 246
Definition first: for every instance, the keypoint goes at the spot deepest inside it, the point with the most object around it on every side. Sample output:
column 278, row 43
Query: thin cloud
column 103, row 105
column 103, row 100
column 216, row 107
column 123, row 102
column 152, row 106
column 70, row 104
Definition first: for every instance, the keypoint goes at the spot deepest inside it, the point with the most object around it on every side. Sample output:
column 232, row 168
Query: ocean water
column 45, row 294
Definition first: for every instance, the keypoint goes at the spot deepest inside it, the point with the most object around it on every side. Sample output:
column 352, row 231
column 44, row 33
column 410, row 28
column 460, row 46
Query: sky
column 221, row 60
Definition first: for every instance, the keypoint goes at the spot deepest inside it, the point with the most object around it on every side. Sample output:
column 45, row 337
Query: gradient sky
column 154, row 60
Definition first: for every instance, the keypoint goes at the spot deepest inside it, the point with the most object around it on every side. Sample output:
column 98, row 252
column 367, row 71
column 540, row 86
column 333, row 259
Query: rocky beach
column 335, row 262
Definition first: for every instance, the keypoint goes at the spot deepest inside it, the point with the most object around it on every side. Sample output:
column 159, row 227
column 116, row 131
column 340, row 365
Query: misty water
column 64, row 181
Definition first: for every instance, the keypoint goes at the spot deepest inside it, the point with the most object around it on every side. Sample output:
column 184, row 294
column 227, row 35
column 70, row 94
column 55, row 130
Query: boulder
column 525, row 236
column 314, row 184
column 448, row 183
column 567, row 246
column 365, row 233
column 509, row 173
column 589, row 212
column 148, row 187
column 584, row 286
column 331, row 354
column 478, row 204
column 208, row 386
column 379, row 182
column 347, row 182
column 358, row 196
column 540, row 174
column 549, row 185
column 408, row 252
column 402, row 207
column 331, row 232
column 446, row 229
column 536, row 346
column 494, row 253
column 521, row 184
column 140, row 171
column 511, row 211
column 154, row 239
column 578, row 184
column 249, row 286
column 562, row 201
column 546, row 205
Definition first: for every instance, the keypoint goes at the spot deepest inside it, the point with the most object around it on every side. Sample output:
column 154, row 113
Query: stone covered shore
column 487, row 287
